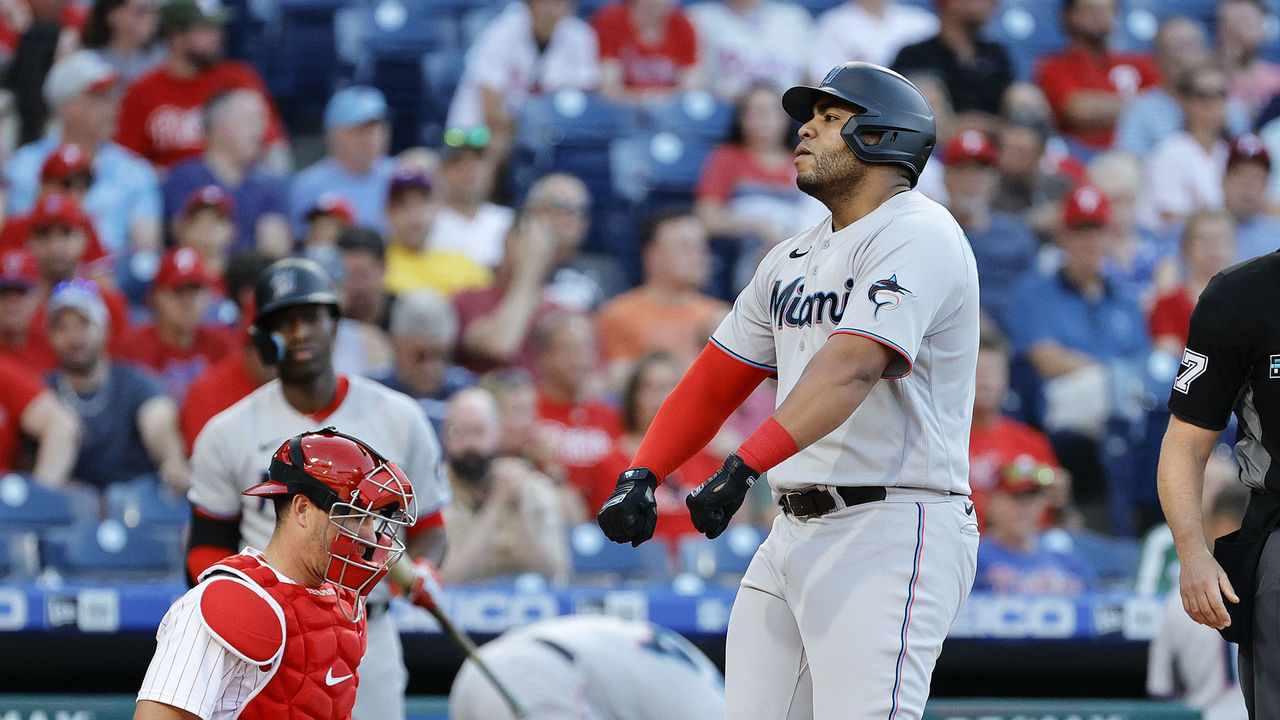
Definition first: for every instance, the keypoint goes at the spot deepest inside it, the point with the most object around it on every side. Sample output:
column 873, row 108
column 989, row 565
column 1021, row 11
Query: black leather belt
column 376, row 608
column 817, row 502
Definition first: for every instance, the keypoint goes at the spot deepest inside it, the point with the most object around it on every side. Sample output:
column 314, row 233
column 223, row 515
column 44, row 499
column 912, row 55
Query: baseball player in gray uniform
column 870, row 322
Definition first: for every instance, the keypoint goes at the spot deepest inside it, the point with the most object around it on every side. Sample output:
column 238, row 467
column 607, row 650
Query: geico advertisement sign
column 1016, row 617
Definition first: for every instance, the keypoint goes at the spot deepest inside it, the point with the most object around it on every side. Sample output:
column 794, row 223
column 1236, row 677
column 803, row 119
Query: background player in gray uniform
column 591, row 668
column 844, row 608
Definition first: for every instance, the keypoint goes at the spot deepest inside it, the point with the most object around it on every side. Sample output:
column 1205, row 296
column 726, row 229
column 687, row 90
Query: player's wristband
column 769, row 445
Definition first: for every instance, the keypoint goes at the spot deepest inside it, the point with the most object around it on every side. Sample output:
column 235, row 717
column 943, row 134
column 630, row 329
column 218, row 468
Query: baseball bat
column 403, row 576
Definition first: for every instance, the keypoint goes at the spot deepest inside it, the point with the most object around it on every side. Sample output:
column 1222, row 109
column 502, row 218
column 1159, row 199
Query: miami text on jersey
column 790, row 307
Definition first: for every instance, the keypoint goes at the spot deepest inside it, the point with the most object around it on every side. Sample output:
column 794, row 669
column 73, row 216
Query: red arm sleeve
column 715, row 385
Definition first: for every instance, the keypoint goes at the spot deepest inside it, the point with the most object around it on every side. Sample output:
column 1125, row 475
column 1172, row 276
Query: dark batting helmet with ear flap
column 286, row 283
column 368, row 498
column 892, row 108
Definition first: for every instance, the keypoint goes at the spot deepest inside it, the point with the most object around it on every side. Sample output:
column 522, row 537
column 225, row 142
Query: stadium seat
column 1115, row 559
column 726, row 557
column 1028, row 29
column 305, row 66
column 657, row 168
column 109, row 550
column 596, row 558
column 441, row 72
column 26, row 506
column 693, row 115
column 144, row 501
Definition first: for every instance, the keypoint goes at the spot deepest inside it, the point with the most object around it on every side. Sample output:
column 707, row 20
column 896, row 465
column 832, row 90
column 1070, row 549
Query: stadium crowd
column 539, row 309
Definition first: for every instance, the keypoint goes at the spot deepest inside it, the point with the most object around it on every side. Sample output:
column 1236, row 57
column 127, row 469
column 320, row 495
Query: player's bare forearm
column 148, row 710
column 1180, row 477
column 832, row 386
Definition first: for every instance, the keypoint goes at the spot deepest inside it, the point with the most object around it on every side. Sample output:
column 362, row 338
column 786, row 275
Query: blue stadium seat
column 597, row 558
column 441, row 71
column 658, row 168
column 1115, row 559
column 26, row 506
column 145, row 502
column 305, row 65
column 726, row 557
column 109, row 550
column 693, row 115
column 1028, row 29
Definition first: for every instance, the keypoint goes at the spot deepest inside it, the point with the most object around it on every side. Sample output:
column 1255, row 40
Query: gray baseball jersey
column 904, row 276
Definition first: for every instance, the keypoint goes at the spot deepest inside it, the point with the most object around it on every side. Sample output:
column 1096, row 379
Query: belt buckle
column 787, row 504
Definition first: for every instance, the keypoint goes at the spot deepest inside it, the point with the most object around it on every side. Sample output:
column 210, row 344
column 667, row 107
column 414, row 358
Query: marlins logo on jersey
column 886, row 294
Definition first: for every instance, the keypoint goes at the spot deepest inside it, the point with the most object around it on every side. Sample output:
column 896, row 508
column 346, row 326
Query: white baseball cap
column 81, row 71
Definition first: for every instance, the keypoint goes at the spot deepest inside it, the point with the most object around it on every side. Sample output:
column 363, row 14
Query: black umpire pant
column 1259, row 668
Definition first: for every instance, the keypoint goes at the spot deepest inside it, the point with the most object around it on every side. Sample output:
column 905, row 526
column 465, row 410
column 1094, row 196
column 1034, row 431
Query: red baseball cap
column 1249, row 148
column 182, row 267
column 1085, row 206
column 1023, row 474
column 333, row 204
column 209, row 196
column 57, row 209
column 971, row 146
column 18, row 270
column 64, row 162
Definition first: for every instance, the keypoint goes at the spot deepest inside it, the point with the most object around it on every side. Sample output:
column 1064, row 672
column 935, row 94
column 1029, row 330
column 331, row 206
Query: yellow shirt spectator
column 448, row 273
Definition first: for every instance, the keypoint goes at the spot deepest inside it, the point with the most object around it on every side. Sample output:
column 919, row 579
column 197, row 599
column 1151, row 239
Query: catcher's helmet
column 368, row 499
column 286, row 283
column 891, row 105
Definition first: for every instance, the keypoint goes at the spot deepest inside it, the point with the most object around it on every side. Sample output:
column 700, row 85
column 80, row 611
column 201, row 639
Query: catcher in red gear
column 279, row 633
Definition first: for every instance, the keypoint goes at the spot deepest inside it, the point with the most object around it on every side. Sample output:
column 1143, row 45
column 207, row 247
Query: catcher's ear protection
column 269, row 345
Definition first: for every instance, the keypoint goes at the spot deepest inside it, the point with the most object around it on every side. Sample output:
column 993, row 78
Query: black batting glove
column 630, row 514
column 713, row 502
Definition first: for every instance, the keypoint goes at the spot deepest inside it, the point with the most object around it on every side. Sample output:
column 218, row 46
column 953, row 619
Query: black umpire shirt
column 1232, row 362
column 972, row 87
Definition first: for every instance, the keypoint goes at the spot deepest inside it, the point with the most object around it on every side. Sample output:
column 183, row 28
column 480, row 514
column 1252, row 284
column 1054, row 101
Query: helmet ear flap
column 269, row 345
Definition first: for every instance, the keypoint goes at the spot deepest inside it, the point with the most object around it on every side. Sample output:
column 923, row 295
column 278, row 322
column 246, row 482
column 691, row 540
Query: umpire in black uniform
column 1232, row 363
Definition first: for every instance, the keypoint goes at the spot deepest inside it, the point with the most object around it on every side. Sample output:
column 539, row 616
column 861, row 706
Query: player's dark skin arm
column 1183, row 455
column 832, row 386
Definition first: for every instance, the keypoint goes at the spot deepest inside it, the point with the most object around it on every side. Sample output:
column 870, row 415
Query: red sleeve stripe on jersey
column 883, row 341
column 741, row 359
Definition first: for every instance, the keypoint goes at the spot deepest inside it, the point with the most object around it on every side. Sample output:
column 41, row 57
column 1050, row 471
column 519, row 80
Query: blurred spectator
column 18, row 303
column 205, row 225
column 465, row 221
column 1242, row 29
column 1002, row 243
column 364, row 269
column 1179, row 46
column 523, row 436
column 668, row 311
column 1141, row 262
column 48, row 31
column 647, row 48
column 1011, row 558
column 130, row 426
column 177, row 344
column 744, row 42
column 997, row 442
column 935, row 93
column 869, row 30
column 1032, row 182
column 582, row 427
column 748, row 185
column 67, row 170
column 412, row 260
column 31, row 410
column 1191, row 662
column 534, row 46
column 1244, row 195
column 124, row 198
column 57, row 233
column 1088, row 85
column 975, row 71
column 497, row 321
column 1077, row 330
column 575, row 282
column 234, row 123
column 1184, row 170
column 652, row 378
column 326, row 220
column 504, row 518
column 239, row 372
column 424, row 334
column 356, row 168
column 1208, row 246
column 160, row 113
column 123, row 34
